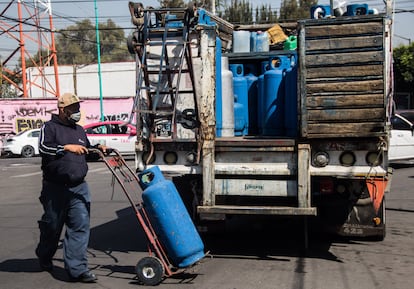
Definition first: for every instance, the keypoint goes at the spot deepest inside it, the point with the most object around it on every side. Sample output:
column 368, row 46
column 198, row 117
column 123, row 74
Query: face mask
column 75, row 117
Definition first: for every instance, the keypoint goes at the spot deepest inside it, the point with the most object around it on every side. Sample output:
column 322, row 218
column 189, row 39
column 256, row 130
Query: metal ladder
column 159, row 74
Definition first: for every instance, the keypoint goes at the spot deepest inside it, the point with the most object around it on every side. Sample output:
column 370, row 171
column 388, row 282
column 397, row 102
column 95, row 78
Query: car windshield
column 20, row 133
column 408, row 115
column 400, row 124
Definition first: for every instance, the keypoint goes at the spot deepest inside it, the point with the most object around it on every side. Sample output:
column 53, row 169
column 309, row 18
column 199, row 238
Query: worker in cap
column 65, row 195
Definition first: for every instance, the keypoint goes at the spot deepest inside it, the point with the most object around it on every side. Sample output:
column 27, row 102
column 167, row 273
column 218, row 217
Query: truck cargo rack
column 162, row 47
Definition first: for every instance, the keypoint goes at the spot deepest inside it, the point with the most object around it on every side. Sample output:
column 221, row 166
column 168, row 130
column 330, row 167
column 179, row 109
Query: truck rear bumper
column 257, row 210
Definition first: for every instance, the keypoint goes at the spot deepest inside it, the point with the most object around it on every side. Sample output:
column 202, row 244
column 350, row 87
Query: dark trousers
column 68, row 206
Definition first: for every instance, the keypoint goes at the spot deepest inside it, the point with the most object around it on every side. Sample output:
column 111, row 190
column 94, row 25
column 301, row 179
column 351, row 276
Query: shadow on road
column 268, row 238
column 32, row 266
column 20, row 265
column 123, row 234
column 241, row 237
column 402, row 165
column 245, row 237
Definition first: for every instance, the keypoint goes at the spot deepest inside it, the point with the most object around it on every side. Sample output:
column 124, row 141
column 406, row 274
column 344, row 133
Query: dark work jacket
column 59, row 166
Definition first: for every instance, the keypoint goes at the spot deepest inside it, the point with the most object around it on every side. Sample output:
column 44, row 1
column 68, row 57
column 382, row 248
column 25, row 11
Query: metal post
column 389, row 7
column 98, row 47
column 207, row 111
column 22, row 49
column 54, row 53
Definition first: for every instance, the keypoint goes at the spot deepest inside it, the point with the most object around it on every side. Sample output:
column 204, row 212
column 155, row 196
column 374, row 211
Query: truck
column 310, row 141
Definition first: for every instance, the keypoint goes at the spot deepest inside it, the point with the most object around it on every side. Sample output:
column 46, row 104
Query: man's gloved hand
column 76, row 149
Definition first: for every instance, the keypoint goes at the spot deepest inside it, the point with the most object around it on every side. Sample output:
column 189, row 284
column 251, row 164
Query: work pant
column 70, row 206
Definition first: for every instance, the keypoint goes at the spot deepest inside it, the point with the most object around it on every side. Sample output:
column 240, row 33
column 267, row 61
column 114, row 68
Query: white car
column 402, row 137
column 114, row 134
column 24, row 144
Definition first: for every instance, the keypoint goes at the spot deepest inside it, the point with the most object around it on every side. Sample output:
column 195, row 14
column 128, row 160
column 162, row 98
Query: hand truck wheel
column 150, row 271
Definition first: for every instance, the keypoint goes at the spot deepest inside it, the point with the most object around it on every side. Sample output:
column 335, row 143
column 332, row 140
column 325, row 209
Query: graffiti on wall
column 30, row 117
column 97, row 117
column 19, row 115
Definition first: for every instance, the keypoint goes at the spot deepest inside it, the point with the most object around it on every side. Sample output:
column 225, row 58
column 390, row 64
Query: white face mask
column 75, row 117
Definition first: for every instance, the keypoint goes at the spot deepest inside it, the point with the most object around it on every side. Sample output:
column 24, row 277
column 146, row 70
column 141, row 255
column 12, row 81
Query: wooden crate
column 342, row 77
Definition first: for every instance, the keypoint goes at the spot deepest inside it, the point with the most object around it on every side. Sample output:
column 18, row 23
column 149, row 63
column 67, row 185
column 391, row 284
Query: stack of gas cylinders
column 340, row 8
column 260, row 97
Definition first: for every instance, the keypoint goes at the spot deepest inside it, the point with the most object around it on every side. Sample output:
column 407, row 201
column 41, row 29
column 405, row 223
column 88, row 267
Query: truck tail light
column 374, row 158
column 347, row 159
column 170, row 158
column 326, row 186
column 191, row 158
column 320, row 159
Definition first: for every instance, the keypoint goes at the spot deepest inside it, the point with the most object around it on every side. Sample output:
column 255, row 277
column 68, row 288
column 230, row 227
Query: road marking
column 26, row 175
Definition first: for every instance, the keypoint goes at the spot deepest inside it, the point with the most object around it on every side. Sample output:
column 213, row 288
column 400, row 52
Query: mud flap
column 376, row 188
column 365, row 220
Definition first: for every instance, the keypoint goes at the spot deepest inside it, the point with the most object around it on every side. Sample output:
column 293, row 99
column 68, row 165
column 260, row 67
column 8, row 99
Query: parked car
column 24, row 144
column 114, row 134
column 402, row 137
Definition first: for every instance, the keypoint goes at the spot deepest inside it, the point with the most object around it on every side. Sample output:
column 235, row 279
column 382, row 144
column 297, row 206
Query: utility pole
column 98, row 49
column 389, row 8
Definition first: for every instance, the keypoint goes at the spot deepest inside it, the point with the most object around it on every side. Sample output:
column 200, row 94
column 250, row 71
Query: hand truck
column 150, row 270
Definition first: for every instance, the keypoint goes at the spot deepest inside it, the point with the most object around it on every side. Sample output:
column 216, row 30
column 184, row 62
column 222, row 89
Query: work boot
column 86, row 277
column 44, row 263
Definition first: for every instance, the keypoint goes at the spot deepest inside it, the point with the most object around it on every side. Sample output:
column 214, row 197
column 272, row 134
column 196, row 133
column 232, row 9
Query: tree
column 264, row 14
column 294, row 10
column 7, row 77
column 239, row 12
column 172, row 3
column 404, row 68
column 77, row 43
column 112, row 43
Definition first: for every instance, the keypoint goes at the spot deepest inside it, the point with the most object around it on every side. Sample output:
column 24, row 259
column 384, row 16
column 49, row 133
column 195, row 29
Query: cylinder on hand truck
column 170, row 218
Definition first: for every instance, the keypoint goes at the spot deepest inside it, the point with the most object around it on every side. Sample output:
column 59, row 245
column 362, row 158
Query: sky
column 68, row 12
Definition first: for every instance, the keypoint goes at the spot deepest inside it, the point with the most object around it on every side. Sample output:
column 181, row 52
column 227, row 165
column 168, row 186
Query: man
column 65, row 195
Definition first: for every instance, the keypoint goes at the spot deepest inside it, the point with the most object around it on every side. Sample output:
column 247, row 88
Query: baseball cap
column 67, row 99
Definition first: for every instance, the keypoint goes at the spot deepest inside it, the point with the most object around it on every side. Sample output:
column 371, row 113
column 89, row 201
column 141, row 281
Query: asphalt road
column 250, row 254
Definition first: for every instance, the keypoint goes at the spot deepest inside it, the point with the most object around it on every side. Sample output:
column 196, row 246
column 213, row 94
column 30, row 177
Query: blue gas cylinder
column 320, row 11
column 252, row 96
column 264, row 66
column 273, row 100
column 291, row 101
column 240, row 92
column 170, row 218
column 357, row 9
column 239, row 120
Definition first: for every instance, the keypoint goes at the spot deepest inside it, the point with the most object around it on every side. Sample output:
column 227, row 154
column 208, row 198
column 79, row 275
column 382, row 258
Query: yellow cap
column 67, row 99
